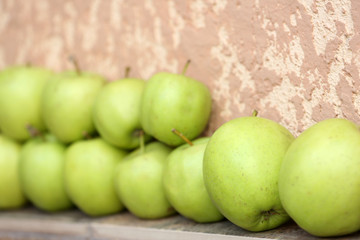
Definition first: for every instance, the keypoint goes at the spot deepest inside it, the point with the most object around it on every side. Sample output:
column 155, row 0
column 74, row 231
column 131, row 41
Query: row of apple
column 62, row 161
column 252, row 171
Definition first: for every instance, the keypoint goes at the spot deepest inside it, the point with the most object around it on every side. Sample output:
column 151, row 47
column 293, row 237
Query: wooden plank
column 104, row 231
column 43, row 226
column 30, row 223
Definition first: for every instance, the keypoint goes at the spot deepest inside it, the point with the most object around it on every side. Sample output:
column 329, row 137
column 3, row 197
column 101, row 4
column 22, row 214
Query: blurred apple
column 138, row 182
column 117, row 113
column 42, row 173
column 21, row 88
column 174, row 101
column 89, row 176
column 67, row 104
column 184, row 184
column 11, row 194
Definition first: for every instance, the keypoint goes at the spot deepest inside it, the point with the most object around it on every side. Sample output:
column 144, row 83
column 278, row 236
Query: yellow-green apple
column 67, row 104
column 41, row 170
column 241, row 167
column 89, row 176
column 184, row 184
column 319, row 181
column 117, row 113
column 21, row 88
column 174, row 101
column 11, row 193
column 138, row 182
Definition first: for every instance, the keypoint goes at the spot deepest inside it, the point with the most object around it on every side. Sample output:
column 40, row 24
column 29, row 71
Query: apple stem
column 142, row 141
column 186, row 66
column 34, row 132
column 127, row 71
column 268, row 214
column 182, row 136
column 75, row 63
column 255, row 113
column 28, row 64
column 86, row 135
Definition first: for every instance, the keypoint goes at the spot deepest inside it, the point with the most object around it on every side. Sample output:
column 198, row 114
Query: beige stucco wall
column 297, row 62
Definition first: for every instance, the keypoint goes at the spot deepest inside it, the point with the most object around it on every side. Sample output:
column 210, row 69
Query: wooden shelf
column 30, row 223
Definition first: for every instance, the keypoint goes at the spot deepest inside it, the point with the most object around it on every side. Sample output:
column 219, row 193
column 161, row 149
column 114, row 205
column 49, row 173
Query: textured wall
column 297, row 62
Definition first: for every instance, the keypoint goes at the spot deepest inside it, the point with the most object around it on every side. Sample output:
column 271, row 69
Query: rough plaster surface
column 296, row 62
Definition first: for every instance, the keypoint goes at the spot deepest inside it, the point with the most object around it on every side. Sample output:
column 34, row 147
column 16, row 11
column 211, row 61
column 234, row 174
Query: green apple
column 117, row 112
column 11, row 193
column 138, row 182
column 184, row 184
column 174, row 101
column 20, row 99
column 241, row 167
column 41, row 170
column 319, row 181
column 89, row 176
column 67, row 104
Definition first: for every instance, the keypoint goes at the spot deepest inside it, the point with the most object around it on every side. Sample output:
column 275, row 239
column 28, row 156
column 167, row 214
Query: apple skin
column 67, row 104
column 138, row 182
column 20, row 100
column 41, row 170
column 174, row 101
column 117, row 113
column 11, row 193
column 89, row 176
column 241, row 167
column 319, row 179
column 184, row 184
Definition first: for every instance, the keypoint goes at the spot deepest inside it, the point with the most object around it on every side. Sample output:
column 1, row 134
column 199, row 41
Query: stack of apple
column 72, row 138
